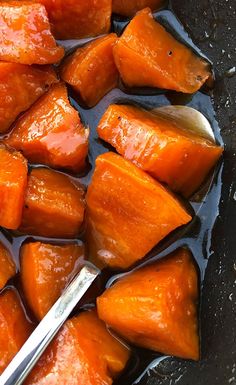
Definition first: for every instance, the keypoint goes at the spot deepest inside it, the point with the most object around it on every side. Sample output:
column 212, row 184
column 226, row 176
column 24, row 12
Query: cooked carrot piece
column 91, row 70
column 147, row 55
column 21, row 86
column 155, row 306
column 46, row 270
column 25, row 34
column 128, row 212
column 51, row 132
column 54, row 205
column 8, row 268
column 165, row 150
column 75, row 19
column 129, row 8
column 13, row 181
column 14, row 326
column 83, row 352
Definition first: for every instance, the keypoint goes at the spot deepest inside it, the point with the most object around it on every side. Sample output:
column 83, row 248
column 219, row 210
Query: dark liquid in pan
column 196, row 236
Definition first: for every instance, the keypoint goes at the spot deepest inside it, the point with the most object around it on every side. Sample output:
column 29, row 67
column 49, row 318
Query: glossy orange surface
column 158, row 58
column 14, row 326
column 130, row 7
column 165, row 150
column 83, row 353
column 51, row 132
column 155, row 306
column 54, row 205
column 13, row 180
column 25, row 34
column 128, row 212
column 91, row 70
column 21, row 86
column 8, row 268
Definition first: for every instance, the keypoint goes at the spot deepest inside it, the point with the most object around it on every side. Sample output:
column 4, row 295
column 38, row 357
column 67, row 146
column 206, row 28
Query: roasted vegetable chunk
column 13, row 180
column 155, row 306
column 25, row 34
column 51, row 132
column 83, row 352
column 129, row 8
column 7, row 266
column 147, row 55
column 14, row 327
column 128, row 212
column 91, row 70
column 46, row 270
column 54, row 205
column 165, row 150
column 21, row 86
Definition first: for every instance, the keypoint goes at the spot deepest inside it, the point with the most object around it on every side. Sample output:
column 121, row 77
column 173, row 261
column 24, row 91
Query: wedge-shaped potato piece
column 128, row 212
column 83, row 352
column 129, row 8
column 147, row 55
column 54, row 205
column 21, row 86
column 14, row 326
column 155, row 306
column 25, row 34
column 46, row 270
column 51, row 132
column 13, row 181
column 165, row 150
column 8, row 268
column 91, row 70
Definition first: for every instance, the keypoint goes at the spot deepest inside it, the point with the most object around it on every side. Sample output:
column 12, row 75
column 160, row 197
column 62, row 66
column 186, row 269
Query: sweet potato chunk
column 155, row 306
column 91, row 70
column 21, row 86
column 25, row 34
column 14, row 327
column 54, row 205
column 147, row 55
column 165, row 150
column 8, row 268
column 129, row 8
column 128, row 212
column 51, row 132
column 46, row 270
column 75, row 19
column 83, row 352
column 13, row 181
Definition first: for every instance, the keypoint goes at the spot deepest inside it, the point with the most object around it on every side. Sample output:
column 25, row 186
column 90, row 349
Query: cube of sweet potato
column 155, row 306
column 51, row 132
column 128, row 212
column 129, row 8
column 8, row 268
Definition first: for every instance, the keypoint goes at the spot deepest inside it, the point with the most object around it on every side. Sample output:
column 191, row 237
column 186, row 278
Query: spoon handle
column 26, row 358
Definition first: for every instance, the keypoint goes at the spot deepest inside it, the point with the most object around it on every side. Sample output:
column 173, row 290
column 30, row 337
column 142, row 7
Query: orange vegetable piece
column 128, row 212
column 129, row 8
column 168, row 152
column 155, row 306
column 51, row 132
column 91, row 70
column 147, row 55
column 13, row 180
column 83, row 352
column 45, row 272
column 54, row 205
column 14, row 326
column 8, row 268
column 21, row 86
column 25, row 34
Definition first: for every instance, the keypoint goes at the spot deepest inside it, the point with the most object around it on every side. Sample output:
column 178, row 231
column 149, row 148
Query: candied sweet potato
column 91, row 70
column 147, row 55
column 155, row 306
column 83, row 352
column 51, row 132
column 128, row 212
column 46, row 270
column 54, row 205
column 25, row 34
column 21, row 86
column 14, row 326
column 165, row 150
column 13, row 181
column 129, row 8
column 8, row 268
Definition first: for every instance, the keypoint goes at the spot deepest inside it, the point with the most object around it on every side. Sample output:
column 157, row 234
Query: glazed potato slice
column 8, row 268
column 129, row 8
